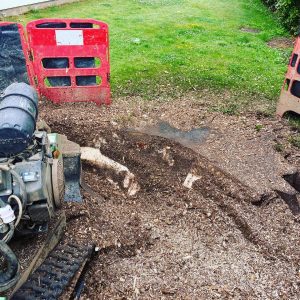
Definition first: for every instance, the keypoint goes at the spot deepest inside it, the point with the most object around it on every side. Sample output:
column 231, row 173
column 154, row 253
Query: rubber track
column 55, row 274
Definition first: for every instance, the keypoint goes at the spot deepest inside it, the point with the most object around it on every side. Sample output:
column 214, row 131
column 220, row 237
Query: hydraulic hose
column 11, row 275
column 19, row 202
column 10, row 233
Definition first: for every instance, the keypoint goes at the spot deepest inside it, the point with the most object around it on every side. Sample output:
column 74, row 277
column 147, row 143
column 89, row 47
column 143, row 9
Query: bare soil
column 167, row 241
column 281, row 42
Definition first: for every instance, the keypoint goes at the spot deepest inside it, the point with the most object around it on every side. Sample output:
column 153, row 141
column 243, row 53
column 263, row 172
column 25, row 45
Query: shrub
column 288, row 12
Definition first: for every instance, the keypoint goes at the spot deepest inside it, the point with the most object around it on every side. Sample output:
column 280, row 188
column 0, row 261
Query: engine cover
column 36, row 175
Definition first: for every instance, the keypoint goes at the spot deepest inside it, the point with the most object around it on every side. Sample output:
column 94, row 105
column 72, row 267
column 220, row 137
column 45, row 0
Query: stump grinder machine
column 39, row 170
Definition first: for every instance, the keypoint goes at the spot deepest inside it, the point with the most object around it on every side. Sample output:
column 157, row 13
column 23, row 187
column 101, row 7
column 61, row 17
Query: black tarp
column 12, row 59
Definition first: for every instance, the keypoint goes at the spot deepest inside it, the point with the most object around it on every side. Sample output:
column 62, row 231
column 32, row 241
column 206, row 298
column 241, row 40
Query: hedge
column 288, row 12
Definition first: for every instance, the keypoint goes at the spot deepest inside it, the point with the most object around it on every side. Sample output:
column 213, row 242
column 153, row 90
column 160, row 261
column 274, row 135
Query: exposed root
column 95, row 157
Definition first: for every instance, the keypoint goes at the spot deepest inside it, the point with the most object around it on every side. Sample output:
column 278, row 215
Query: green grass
column 162, row 47
column 295, row 141
column 294, row 121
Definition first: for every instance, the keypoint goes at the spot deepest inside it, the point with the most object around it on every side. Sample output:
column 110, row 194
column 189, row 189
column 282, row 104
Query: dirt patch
column 247, row 156
column 168, row 241
column 250, row 30
column 281, row 43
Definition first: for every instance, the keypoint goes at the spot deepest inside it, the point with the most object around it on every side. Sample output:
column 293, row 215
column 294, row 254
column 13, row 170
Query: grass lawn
column 170, row 46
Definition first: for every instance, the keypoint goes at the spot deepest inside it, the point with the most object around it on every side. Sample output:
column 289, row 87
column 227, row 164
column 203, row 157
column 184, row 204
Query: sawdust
column 169, row 241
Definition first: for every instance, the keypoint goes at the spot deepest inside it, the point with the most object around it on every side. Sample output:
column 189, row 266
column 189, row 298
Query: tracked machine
column 39, row 170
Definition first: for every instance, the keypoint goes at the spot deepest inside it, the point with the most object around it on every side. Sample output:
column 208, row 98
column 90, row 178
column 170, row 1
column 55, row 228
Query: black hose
column 10, row 276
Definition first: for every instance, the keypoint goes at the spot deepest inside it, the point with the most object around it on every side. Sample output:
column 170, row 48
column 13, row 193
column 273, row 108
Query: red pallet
column 290, row 93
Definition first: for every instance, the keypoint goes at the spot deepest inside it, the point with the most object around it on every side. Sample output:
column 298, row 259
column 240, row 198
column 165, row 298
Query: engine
column 26, row 159
column 32, row 176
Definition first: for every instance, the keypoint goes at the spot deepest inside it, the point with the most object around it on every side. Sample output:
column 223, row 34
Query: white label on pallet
column 69, row 37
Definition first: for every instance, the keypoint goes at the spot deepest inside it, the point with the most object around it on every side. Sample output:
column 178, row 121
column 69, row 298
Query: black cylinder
column 18, row 114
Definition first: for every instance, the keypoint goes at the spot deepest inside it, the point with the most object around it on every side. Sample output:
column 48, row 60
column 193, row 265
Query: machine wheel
column 58, row 182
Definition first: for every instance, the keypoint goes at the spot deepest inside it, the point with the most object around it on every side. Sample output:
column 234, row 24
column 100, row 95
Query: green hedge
column 288, row 12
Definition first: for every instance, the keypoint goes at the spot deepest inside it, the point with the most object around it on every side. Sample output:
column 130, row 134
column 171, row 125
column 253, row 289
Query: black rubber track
column 55, row 274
